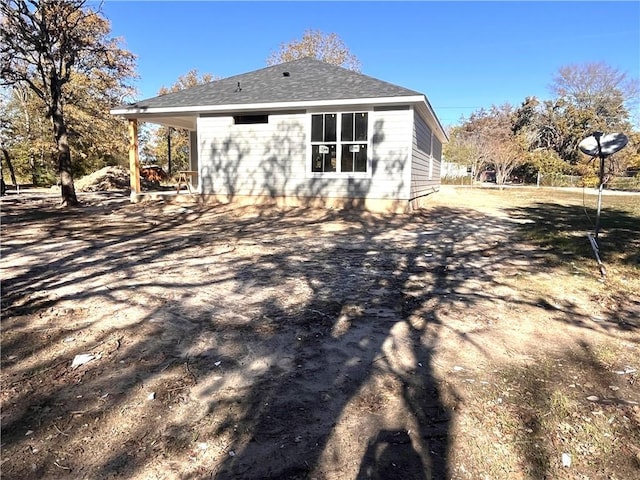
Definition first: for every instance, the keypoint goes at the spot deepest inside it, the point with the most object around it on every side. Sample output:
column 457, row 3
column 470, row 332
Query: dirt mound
column 105, row 179
column 153, row 174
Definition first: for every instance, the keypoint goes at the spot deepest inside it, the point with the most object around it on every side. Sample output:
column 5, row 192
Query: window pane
column 323, row 162
column 361, row 159
column 330, row 125
column 330, row 159
column 316, row 128
column 347, row 127
column 317, row 159
column 361, row 127
column 346, row 164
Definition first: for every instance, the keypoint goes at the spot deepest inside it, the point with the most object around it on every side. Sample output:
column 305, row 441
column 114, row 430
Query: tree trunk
column 12, row 172
column 502, row 174
column 64, row 153
column 32, row 168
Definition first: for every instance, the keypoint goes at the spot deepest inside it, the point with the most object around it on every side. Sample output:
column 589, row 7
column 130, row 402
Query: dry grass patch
column 559, row 416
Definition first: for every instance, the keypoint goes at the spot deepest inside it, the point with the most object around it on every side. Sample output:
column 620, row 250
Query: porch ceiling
column 188, row 122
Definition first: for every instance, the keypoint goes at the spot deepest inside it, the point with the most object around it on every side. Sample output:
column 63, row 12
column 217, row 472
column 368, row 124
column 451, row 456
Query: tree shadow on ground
column 285, row 341
column 562, row 231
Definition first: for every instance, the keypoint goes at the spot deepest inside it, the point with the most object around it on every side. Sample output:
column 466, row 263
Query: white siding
column 254, row 159
column 425, row 165
column 273, row 159
column 391, row 153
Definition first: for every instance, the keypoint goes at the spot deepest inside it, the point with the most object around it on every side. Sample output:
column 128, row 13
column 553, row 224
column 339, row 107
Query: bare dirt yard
column 473, row 339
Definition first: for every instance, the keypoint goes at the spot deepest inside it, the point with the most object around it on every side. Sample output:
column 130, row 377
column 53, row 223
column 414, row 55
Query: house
column 305, row 133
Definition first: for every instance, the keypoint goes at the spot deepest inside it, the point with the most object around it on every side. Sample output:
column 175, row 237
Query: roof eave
column 421, row 100
column 133, row 111
column 431, row 115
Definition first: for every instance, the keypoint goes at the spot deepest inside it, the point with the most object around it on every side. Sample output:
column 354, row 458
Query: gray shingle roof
column 308, row 80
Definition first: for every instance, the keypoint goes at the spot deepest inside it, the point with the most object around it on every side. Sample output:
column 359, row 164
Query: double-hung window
column 324, row 142
column 339, row 142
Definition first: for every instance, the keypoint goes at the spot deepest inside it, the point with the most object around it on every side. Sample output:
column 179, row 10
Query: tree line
column 541, row 137
column 62, row 72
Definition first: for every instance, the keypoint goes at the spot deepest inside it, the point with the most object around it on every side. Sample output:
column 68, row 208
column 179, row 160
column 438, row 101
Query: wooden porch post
column 134, row 158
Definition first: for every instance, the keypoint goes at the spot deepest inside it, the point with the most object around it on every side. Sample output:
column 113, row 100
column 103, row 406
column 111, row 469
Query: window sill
column 339, row 175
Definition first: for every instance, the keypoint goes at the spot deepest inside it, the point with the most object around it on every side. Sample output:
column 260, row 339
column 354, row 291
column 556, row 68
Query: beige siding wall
column 425, row 165
column 273, row 159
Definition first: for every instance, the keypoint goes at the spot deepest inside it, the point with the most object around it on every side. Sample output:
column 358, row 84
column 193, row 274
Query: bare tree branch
column 325, row 47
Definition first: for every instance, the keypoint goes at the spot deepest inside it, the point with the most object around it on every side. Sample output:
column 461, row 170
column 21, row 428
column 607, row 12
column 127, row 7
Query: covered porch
column 186, row 181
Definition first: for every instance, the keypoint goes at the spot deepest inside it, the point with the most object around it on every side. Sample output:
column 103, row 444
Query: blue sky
column 462, row 55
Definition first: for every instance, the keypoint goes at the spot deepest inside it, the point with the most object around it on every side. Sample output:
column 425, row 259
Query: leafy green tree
column 543, row 136
column 545, row 163
column 43, row 44
column 630, row 155
column 157, row 147
column 26, row 136
column 590, row 97
column 96, row 137
column 325, row 47
column 538, row 129
column 494, row 143
column 455, row 150
column 467, row 147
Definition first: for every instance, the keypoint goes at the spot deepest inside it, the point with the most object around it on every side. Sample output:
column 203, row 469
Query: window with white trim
column 343, row 153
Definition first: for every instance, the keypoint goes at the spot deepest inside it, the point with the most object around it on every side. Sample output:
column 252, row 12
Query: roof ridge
column 217, row 80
